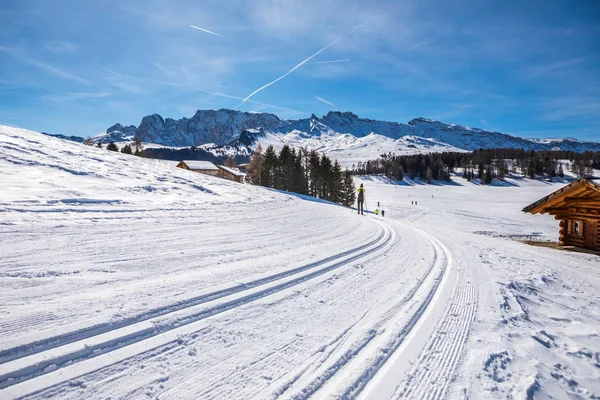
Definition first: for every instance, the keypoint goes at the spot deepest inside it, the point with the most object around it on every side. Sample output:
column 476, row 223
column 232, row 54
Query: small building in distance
column 231, row 174
column 577, row 206
column 204, row 167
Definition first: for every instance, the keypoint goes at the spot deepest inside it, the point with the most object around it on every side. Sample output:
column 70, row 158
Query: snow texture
column 125, row 277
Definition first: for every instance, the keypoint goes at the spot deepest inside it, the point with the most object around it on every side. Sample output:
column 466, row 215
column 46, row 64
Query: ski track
column 84, row 351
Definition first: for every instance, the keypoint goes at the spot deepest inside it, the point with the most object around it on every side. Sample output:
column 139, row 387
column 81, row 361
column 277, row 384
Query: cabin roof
column 579, row 186
column 232, row 171
column 205, row 165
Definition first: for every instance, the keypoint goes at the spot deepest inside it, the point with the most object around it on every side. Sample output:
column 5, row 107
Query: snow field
column 128, row 278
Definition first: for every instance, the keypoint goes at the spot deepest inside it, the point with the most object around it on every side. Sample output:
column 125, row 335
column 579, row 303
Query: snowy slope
column 129, row 278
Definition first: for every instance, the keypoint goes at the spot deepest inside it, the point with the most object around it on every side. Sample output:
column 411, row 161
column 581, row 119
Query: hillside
column 126, row 277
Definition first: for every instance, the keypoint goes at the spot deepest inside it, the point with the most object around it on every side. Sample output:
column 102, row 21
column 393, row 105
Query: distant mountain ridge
column 232, row 129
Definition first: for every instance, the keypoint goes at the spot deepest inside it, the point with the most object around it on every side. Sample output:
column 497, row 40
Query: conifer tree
column 112, row 147
column 270, row 165
column 349, row 189
column 313, row 174
column 337, row 181
column 126, row 149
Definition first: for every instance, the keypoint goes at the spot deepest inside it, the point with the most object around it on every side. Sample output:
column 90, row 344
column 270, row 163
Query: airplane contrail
column 325, row 101
column 250, row 101
column 204, row 30
column 297, row 66
column 329, row 62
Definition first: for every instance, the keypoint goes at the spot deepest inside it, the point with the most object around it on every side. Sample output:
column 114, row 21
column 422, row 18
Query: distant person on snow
column 377, row 211
column 361, row 199
column 382, row 213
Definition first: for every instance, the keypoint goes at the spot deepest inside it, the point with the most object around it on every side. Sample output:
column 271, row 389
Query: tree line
column 482, row 164
column 302, row 171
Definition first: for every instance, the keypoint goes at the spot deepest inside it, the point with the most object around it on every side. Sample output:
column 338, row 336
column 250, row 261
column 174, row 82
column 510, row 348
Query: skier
column 377, row 211
column 382, row 213
column 361, row 199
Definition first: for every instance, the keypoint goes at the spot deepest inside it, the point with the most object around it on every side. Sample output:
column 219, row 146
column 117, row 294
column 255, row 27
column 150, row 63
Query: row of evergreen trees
column 136, row 147
column 484, row 164
column 303, row 172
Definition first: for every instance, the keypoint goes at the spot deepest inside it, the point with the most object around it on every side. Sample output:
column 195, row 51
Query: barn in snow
column 204, row 167
column 577, row 206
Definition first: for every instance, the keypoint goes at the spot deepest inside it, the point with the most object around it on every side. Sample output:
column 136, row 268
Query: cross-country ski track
column 356, row 359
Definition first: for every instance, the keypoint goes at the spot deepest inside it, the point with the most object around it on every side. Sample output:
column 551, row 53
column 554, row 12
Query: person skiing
column 361, row 199
column 377, row 211
column 382, row 213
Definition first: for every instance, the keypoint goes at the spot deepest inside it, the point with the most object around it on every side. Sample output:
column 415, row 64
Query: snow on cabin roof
column 590, row 182
column 232, row 171
column 195, row 164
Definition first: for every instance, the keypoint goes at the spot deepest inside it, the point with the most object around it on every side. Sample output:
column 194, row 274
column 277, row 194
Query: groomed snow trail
column 129, row 278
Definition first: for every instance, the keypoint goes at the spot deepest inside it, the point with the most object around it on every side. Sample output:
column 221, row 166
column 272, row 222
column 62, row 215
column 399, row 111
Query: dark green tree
column 112, row 147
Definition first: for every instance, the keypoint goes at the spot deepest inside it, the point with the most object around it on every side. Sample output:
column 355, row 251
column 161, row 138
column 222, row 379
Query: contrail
column 329, row 62
column 325, row 101
column 296, row 67
column 204, row 30
column 249, row 101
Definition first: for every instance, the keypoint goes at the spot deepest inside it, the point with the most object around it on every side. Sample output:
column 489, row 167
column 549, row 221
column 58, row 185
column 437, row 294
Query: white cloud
column 55, row 71
column 61, row 47
column 77, row 96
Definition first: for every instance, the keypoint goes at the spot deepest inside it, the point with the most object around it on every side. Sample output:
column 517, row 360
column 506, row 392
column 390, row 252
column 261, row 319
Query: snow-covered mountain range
column 342, row 134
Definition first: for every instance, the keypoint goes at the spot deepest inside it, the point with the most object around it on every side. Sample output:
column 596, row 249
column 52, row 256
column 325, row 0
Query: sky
column 530, row 68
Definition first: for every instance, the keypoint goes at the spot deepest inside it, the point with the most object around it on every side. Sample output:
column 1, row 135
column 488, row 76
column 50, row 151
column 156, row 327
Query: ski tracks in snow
column 30, row 369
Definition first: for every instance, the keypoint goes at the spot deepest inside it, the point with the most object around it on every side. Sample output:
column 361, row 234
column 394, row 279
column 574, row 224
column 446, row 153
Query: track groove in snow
column 18, row 377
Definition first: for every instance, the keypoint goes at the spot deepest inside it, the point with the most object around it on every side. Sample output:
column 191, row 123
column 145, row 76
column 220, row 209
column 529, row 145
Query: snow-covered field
column 123, row 277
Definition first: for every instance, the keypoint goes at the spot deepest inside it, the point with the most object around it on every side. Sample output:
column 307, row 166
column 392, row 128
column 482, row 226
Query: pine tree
column 337, row 182
column 284, row 175
column 561, row 171
column 325, row 178
column 349, row 189
column 99, row 144
column 270, row 165
column 126, row 149
column 112, row 147
column 441, row 175
column 488, row 175
column 313, row 174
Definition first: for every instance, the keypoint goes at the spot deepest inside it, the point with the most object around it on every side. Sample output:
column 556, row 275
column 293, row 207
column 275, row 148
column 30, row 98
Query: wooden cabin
column 231, row 174
column 577, row 206
column 204, row 167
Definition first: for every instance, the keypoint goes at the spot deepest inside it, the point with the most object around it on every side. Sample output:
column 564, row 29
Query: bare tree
column 139, row 147
column 256, row 166
column 230, row 162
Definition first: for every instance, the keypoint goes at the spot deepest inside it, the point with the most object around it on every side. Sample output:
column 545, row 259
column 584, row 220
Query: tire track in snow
column 18, row 378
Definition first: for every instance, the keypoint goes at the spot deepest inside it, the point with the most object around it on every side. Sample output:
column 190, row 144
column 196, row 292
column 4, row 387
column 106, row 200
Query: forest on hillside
column 483, row 164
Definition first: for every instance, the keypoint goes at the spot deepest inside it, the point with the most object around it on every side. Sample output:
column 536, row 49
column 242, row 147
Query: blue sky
column 530, row 68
